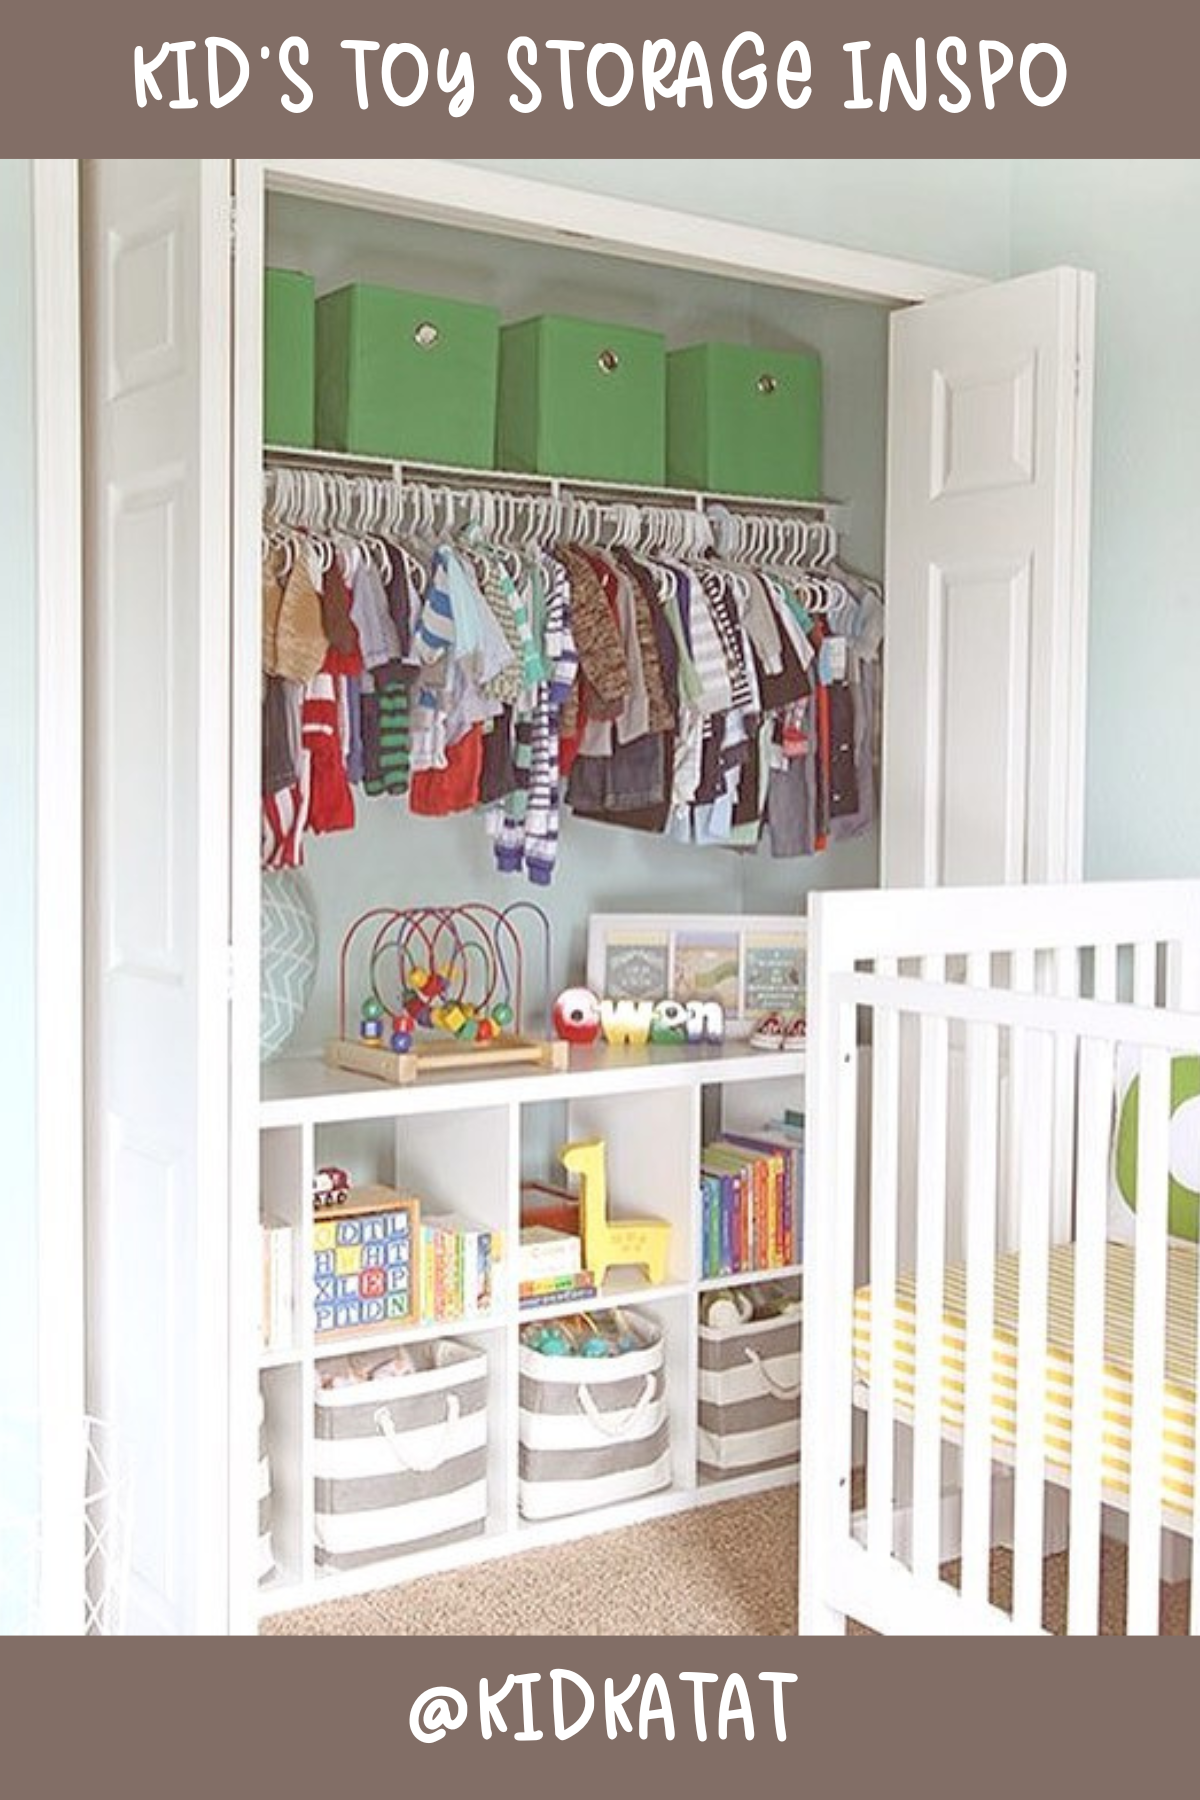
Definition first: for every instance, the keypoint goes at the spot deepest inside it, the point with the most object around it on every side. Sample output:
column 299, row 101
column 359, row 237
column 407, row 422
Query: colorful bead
column 404, row 1021
column 372, row 1008
column 502, row 1014
column 485, row 1031
column 371, row 1029
column 469, row 1030
column 401, row 1041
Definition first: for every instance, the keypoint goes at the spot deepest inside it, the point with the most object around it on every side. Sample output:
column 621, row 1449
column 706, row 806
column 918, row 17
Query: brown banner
column 1027, row 77
column 914, row 1718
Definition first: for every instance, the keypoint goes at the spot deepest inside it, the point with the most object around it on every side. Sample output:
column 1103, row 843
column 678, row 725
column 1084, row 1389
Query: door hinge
column 233, row 223
column 230, row 972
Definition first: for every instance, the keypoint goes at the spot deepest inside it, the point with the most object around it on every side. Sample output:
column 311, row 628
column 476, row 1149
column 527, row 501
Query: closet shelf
column 512, row 480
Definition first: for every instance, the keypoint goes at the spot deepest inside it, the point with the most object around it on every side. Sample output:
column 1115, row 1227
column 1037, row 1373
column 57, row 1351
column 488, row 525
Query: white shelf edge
column 341, row 1099
column 707, row 1283
column 279, row 1595
column 389, row 1339
column 606, row 1300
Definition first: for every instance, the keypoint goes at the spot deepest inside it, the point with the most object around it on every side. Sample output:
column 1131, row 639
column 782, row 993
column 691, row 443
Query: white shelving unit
column 465, row 1142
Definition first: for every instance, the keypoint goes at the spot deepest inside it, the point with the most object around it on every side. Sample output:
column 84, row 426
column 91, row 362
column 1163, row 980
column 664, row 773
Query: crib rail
column 999, row 1407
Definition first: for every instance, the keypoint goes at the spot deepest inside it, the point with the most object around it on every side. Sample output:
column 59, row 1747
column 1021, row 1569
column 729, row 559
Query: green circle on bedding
column 1183, row 1193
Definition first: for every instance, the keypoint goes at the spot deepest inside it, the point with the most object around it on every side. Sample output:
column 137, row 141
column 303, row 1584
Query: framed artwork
column 751, row 964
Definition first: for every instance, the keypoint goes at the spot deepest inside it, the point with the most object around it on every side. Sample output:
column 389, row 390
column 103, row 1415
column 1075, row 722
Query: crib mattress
column 1179, row 1421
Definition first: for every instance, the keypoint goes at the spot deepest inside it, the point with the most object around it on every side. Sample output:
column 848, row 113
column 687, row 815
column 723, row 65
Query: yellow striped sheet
column 1179, row 1399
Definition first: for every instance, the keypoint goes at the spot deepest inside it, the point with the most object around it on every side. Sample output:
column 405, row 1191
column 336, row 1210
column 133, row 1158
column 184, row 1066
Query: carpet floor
column 722, row 1571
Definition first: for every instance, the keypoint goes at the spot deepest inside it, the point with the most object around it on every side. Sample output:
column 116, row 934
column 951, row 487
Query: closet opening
column 482, row 1157
column 392, row 856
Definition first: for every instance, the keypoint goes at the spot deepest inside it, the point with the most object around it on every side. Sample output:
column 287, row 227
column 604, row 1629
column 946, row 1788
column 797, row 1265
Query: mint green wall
column 946, row 211
column 1135, row 224
column 18, row 1341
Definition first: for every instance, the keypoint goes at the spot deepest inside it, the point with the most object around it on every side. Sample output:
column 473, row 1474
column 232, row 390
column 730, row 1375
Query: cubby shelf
column 612, row 1294
column 419, row 1332
column 464, row 1144
column 708, row 1283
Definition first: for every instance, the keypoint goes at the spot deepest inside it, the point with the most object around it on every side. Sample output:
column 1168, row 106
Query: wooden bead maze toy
column 442, row 989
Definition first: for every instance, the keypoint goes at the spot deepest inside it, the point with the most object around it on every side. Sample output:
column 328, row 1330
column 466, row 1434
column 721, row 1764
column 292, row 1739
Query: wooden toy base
column 401, row 1068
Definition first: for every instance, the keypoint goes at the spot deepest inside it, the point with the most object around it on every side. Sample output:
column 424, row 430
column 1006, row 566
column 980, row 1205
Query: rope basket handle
column 416, row 1463
column 617, row 1425
column 782, row 1390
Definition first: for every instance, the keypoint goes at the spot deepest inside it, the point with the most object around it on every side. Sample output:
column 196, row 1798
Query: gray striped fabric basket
column 593, row 1432
column 749, row 1397
column 401, row 1463
column 266, row 1550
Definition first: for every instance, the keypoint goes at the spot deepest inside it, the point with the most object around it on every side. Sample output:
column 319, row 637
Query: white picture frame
column 752, row 964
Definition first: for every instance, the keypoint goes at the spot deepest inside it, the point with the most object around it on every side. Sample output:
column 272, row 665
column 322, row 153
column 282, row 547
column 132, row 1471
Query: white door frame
column 59, row 878
column 544, row 212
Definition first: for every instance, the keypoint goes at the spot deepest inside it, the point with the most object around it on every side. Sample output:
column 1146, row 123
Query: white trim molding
column 59, row 875
column 544, row 212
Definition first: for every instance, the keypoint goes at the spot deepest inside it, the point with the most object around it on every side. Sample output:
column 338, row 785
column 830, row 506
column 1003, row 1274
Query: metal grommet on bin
column 767, row 384
column 608, row 361
column 426, row 335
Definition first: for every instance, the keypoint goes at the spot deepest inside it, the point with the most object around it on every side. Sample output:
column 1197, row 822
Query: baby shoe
column 768, row 1034
column 795, row 1032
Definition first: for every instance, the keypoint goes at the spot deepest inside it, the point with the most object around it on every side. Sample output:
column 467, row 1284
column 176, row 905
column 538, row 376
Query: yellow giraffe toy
column 607, row 1243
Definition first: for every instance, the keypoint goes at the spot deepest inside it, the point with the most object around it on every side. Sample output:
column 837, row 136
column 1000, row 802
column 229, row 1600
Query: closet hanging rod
column 340, row 462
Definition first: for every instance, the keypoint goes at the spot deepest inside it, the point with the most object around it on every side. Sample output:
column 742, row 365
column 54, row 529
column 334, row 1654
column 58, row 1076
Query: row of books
column 458, row 1263
column 751, row 1187
column 549, row 1258
column 577, row 1288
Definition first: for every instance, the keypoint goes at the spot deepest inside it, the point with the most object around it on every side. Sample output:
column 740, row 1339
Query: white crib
column 994, row 1395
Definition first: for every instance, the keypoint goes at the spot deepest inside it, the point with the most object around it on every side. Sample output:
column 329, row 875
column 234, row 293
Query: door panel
column 156, row 247
column 988, row 480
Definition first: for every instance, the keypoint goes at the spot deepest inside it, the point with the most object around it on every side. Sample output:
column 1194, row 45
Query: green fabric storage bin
column 744, row 421
column 583, row 399
column 289, row 357
column 406, row 375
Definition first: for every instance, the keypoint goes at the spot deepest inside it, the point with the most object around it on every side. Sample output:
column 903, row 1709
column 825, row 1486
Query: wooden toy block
column 358, row 1057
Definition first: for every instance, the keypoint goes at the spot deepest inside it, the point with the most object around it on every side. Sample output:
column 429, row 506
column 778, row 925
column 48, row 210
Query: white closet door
column 156, row 243
column 988, row 493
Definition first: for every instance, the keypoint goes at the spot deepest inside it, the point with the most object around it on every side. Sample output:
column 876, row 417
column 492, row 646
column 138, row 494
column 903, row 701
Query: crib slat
column 1087, row 1407
column 1149, row 1343
column 1033, row 1157
column 1104, row 978
column 980, row 1177
column 1145, row 974
column 1065, row 983
column 933, row 1069
column 885, row 1170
